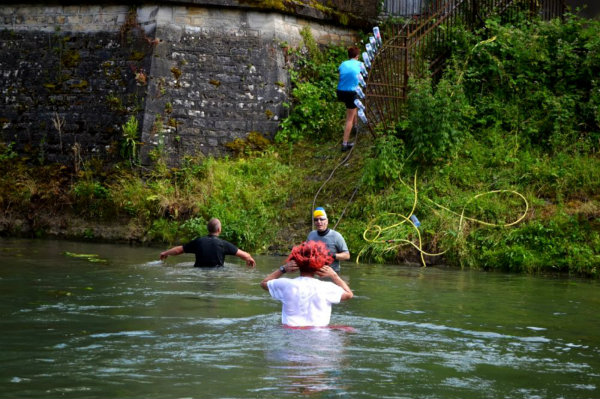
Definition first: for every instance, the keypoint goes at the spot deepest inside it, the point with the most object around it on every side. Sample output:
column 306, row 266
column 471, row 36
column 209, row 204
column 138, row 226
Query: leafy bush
column 194, row 227
column 165, row 230
column 559, row 245
column 536, row 78
column 434, row 125
column 6, row 152
column 91, row 198
column 315, row 113
column 383, row 167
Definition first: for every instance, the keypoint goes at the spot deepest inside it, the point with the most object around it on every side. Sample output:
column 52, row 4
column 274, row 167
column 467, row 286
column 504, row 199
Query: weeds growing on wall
column 130, row 140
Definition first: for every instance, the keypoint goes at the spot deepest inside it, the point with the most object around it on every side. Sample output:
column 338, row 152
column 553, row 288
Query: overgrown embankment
column 499, row 160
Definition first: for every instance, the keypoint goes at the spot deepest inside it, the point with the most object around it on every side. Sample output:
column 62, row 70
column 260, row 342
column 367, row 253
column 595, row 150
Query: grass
column 265, row 203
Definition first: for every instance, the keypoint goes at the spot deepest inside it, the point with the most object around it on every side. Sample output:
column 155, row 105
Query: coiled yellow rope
column 377, row 230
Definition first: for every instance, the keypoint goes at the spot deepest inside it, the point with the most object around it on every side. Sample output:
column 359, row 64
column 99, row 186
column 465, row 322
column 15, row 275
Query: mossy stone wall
column 196, row 77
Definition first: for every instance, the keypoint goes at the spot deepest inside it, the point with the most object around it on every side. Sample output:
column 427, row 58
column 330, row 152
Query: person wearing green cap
column 334, row 240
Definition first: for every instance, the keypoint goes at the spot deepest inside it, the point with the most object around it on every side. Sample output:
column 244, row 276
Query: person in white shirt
column 306, row 301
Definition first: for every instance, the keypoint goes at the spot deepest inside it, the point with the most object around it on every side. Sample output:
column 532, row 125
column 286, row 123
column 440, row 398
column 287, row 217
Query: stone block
column 70, row 10
column 229, row 125
column 91, row 10
column 183, row 20
column 201, row 121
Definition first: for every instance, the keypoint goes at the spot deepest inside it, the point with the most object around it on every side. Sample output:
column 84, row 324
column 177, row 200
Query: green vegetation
column 130, row 140
column 517, row 109
column 316, row 113
column 517, row 112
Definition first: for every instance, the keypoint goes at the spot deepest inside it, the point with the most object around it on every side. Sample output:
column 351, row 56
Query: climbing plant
column 130, row 140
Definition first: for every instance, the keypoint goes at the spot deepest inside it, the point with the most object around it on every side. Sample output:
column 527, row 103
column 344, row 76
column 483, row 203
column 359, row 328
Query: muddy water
column 119, row 324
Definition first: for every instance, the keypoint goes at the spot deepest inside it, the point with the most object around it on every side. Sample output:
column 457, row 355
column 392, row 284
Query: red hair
column 310, row 256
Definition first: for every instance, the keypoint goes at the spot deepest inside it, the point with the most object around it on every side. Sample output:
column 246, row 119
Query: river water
column 119, row 324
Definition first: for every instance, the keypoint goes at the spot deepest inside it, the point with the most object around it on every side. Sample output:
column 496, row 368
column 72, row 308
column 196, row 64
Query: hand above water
column 291, row 266
column 326, row 271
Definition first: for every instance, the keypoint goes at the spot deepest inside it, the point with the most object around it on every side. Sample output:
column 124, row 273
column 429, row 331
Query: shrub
column 384, row 166
column 314, row 111
column 538, row 79
column 91, row 198
column 435, row 121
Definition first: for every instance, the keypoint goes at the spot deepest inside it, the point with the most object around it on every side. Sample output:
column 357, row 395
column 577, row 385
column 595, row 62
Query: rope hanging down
column 342, row 162
column 377, row 230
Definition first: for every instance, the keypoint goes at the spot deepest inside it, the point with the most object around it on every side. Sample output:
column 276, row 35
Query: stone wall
column 218, row 75
column 66, row 92
column 356, row 13
column 195, row 77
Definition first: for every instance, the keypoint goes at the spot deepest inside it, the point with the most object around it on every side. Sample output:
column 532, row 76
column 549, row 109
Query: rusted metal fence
column 417, row 44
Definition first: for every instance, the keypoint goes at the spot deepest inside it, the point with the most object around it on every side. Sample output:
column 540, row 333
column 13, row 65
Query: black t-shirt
column 210, row 250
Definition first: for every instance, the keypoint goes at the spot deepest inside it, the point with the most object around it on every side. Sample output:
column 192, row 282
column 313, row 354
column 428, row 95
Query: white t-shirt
column 306, row 301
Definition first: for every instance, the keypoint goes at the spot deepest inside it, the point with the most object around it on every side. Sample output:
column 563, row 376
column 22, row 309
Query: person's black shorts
column 347, row 97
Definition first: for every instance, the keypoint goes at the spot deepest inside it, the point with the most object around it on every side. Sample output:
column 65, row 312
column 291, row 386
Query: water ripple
column 438, row 327
column 123, row 334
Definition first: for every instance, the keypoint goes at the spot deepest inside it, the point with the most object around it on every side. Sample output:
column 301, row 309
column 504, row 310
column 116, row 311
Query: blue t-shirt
column 349, row 71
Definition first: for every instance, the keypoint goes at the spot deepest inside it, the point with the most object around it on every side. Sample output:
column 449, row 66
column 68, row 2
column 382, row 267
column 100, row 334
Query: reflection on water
column 133, row 327
column 310, row 361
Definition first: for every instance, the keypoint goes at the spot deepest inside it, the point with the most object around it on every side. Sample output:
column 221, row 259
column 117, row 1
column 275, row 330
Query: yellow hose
column 397, row 242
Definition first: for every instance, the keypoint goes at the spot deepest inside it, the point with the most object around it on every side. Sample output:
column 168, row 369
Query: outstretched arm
column 171, row 252
column 246, row 256
column 327, row 271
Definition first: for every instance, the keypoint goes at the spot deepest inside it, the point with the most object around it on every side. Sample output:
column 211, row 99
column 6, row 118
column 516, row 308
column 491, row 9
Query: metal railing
column 418, row 44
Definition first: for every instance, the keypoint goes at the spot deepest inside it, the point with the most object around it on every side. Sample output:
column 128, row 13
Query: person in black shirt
column 210, row 250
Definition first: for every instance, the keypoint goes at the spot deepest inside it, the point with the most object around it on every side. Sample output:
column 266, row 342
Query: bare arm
column 250, row 262
column 290, row 267
column 171, row 252
column 327, row 271
column 342, row 255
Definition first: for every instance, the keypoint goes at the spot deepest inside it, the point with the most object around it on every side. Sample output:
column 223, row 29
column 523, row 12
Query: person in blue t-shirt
column 349, row 71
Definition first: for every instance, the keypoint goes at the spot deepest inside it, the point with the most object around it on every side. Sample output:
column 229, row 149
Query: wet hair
column 310, row 256
column 213, row 225
column 353, row 52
